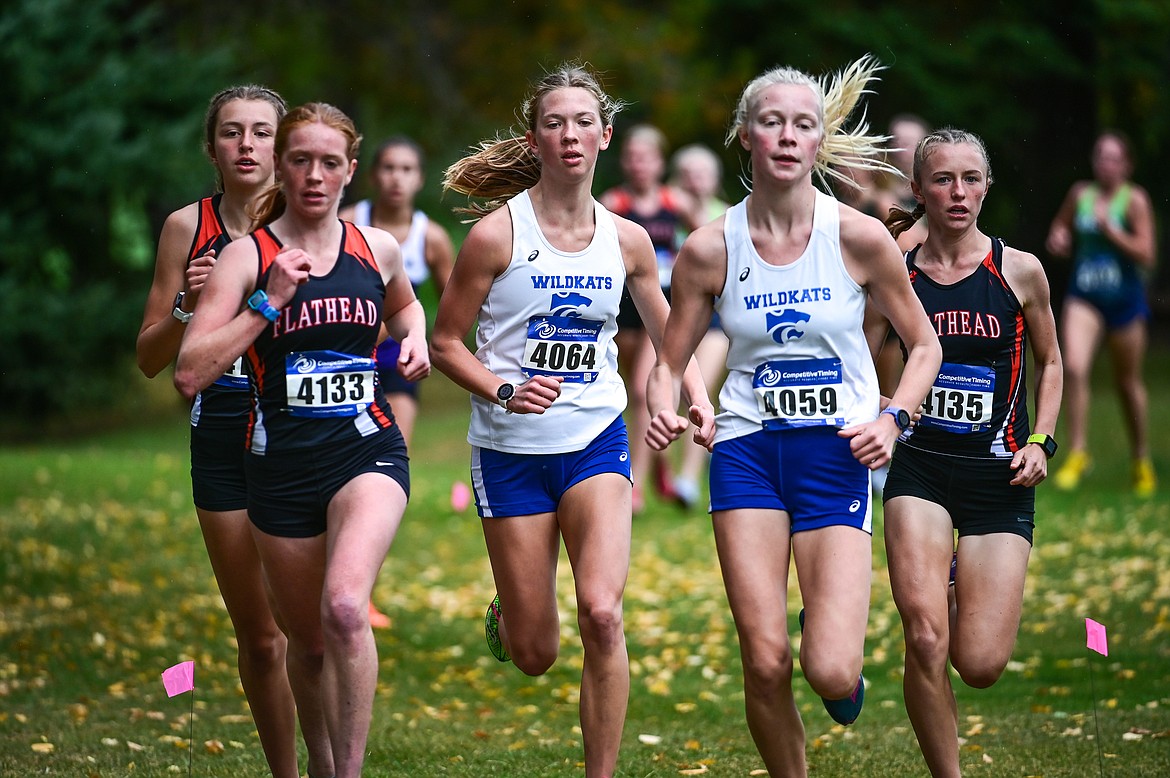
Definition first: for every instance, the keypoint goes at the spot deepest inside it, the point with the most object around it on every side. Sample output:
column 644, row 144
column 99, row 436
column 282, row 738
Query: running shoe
column 1068, row 477
column 1145, row 483
column 686, row 492
column 491, row 630
column 845, row 710
column 954, row 567
column 663, row 483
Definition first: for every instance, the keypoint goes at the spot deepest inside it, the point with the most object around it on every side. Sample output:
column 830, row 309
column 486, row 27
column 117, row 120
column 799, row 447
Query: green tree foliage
column 100, row 116
column 103, row 103
column 1037, row 80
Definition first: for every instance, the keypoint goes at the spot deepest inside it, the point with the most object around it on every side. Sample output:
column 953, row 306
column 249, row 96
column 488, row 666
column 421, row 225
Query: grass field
column 104, row 583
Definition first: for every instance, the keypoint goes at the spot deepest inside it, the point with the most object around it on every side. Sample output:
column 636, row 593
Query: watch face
column 903, row 419
column 505, row 392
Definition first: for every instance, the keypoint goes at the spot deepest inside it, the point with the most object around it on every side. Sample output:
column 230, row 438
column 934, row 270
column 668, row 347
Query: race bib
column 960, row 400
column 1100, row 274
column 564, row 346
column 324, row 384
column 799, row 393
column 234, row 377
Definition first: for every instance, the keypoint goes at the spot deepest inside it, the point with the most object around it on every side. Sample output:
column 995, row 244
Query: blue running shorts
column 525, row 484
column 808, row 472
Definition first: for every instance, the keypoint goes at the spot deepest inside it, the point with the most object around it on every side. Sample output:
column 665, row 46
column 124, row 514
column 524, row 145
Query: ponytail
column 497, row 170
column 268, row 206
column 901, row 220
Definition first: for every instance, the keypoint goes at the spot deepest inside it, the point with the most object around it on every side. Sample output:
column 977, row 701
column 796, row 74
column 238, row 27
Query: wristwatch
column 1045, row 442
column 258, row 302
column 901, row 417
column 178, row 311
column 505, row 393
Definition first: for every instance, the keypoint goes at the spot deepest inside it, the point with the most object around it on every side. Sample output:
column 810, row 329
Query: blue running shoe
column 491, row 630
column 845, row 710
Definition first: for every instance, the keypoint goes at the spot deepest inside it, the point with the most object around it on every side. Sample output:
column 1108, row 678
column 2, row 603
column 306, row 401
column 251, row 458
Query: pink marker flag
column 179, row 679
column 460, row 496
column 1096, row 637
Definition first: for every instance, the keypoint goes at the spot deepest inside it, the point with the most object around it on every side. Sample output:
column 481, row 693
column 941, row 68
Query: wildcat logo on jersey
column 569, row 304
column 785, row 325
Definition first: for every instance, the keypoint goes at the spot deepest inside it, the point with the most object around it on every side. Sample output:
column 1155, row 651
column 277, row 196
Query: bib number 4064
column 557, row 355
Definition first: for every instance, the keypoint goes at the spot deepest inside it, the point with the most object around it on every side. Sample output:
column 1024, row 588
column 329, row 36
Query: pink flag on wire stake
column 460, row 496
column 1096, row 639
column 179, row 679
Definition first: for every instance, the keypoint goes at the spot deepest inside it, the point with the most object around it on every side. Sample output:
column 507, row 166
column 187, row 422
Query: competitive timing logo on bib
column 767, row 376
column 304, row 364
column 786, row 325
column 550, row 329
column 324, row 362
column 799, row 372
column 569, row 304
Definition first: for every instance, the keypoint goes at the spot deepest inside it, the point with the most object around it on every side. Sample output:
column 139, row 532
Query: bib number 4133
column 322, row 384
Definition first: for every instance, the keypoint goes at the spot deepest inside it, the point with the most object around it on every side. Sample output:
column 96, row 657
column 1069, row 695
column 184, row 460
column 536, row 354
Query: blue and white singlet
column 798, row 355
column 552, row 312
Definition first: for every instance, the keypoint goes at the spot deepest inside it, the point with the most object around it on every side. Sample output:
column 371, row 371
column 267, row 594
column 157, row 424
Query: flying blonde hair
column 837, row 96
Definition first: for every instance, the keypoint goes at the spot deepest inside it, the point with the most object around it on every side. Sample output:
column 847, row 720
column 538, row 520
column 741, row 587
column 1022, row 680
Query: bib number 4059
column 792, row 402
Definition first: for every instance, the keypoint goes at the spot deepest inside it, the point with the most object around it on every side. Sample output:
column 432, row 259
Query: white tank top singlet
column 414, row 248
column 552, row 312
column 798, row 355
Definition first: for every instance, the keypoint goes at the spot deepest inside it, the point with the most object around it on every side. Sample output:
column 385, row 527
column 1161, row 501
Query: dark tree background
column 103, row 103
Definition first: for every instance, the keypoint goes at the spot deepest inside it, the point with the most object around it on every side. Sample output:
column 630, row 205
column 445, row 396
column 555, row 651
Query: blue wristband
column 258, row 302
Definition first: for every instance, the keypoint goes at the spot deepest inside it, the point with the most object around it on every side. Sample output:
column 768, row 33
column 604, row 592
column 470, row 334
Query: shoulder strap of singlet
column 208, row 224
column 355, row 244
column 1120, row 201
column 911, row 255
column 363, row 212
column 267, row 246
